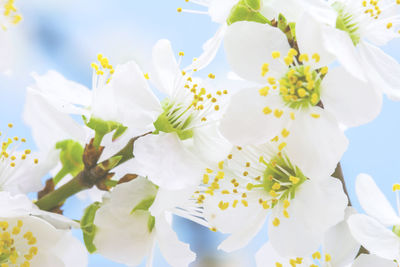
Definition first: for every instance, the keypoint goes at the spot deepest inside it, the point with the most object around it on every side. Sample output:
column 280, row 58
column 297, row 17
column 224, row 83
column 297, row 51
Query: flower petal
column 177, row 253
column 374, row 236
column 165, row 160
column 338, row 43
column 315, row 145
column 244, row 121
column 340, row 90
column 374, row 202
column 165, row 66
column 369, row 260
column 318, row 205
column 383, row 71
column 339, row 242
column 248, row 45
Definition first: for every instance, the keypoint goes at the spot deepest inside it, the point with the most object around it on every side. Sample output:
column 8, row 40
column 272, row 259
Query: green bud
column 70, row 158
column 88, row 227
column 102, row 127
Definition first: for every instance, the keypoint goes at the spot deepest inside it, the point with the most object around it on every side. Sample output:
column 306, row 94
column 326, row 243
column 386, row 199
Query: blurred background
column 67, row 35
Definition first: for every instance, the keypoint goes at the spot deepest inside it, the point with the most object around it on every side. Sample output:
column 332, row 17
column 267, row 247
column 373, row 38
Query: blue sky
column 67, row 36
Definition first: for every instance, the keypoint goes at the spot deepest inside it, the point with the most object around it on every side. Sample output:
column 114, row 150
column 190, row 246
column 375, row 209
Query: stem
column 86, row 179
column 51, row 200
column 339, row 175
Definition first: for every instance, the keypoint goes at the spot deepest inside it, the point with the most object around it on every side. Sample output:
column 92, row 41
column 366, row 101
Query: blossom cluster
column 234, row 161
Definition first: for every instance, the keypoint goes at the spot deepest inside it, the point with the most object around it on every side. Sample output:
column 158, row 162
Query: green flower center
column 345, row 21
column 174, row 119
column 300, row 87
column 281, row 178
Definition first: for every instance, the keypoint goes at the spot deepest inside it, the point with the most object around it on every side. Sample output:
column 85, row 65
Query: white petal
column 14, row 205
column 309, row 34
column 137, row 106
column 219, row 10
column 338, row 42
column 244, row 121
column 210, row 49
column 383, row 71
column 66, row 96
column 48, row 124
column 168, row 199
column 166, row 67
column 339, row 243
column 318, row 205
column 248, row 45
column 369, row 260
column 374, row 202
column 340, row 90
column 374, row 236
column 315, row 145
column 210, row 145
column 71, row 251
column 267, row 256
column 164, row 159
column 177, row 253
column 123, row 238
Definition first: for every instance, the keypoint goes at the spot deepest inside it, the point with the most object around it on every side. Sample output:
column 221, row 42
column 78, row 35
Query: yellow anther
column 286, row 213
column 273, row 193
column 263, row 91
column 316, row 255
column 396, row 187
column 271, row 80
column 389, row 25
column 220, row 175
column 181, row 54
column 245, row 173
column 209, row 170
column 235, row 202
column 179, row 9
column 245, row 203
column 206, row 178
column 267, row 110
column 277, row 264
column 316, row 57
column 265, row 205
column 12, row 164
column 315, row 115
column 10, row 125
column 324, row 70
column 288, row 60
column 16, row 230
column 278, row 113
column 213, row 229
column 292, row 52
column 221, row 165
column 301, row 92
column 281, row 146
column 264, row 69
column 225, row 192
column 223, row 205
column 276, row 186
column 285, row 132
column 276, row 222
column 36, row 161
column 294, row 179
column 27, row 151
column 229, row 156
column 276, row 54
column 328, row 257
column 146, row 76
column 303, row 57
column 292, row 117
column 211, row 76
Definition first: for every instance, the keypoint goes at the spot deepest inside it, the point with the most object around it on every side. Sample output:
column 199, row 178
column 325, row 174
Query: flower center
column 16, row 248
column 190, row 108
column 300, row 86
column 281, row 179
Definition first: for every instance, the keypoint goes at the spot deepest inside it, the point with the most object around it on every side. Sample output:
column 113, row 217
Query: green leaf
column 88, row 227
column 70, row 158
column 253, row 4
column 102, row 127
column 145, row 204
column 246, row 10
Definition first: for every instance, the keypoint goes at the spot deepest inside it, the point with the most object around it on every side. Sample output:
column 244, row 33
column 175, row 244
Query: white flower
column 186, row 135
column 20, row 169
column 338, row 250
column 27, row 239
column 372, row 232
column 369, row 260
column 127, row 231
column 257, row 181
column 292, row 88
column 360, row 27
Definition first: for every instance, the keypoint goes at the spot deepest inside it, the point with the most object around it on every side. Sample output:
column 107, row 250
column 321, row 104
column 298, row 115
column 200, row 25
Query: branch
column 339, row 175
column 94, row 173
